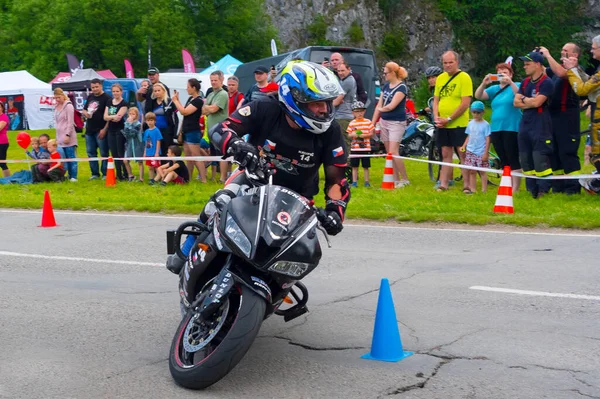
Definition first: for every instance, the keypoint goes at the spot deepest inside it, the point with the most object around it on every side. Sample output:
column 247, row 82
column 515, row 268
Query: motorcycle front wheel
column 204, row 351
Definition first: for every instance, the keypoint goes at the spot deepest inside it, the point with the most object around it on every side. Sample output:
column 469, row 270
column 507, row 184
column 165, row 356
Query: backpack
column 78, row 121
column 237, row 99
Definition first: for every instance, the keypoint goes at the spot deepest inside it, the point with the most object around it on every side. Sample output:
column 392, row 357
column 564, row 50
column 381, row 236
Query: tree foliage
column 493, row 30
column 36, row 34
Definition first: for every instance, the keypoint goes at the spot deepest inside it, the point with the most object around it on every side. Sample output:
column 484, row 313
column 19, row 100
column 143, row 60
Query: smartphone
column 326, row 59
column 496, row 77
column 272, row 67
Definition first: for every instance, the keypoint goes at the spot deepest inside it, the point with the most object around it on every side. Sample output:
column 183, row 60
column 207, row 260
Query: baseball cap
column 358, row 105
column 153, row 70
column 534, row 56
column 261, row 69
column 477, row 106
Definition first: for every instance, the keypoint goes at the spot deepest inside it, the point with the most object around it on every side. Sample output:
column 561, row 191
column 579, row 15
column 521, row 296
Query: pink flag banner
column 188, row 62
column 128, row 69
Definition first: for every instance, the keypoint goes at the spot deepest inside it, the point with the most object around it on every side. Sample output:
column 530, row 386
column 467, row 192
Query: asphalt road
column 73, row 325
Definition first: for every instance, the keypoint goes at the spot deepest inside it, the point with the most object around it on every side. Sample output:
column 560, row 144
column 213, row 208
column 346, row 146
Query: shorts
column 193, row 137
column 179, row 180
column 366, row 161
column 454, row 137
column 473, row 159
column 153, row 164
column 506, row 145
column 392, row 131
column 204, row 144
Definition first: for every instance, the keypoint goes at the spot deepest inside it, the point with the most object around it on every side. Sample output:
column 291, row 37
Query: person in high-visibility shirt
column 585, row 85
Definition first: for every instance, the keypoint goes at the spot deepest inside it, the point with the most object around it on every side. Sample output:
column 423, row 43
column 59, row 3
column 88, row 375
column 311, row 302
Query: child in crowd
column 173, row 171
column 54, row 171
column 477, row 146
column 152, row 137
column 35, row 152
column 134, row 144
column 360, row 131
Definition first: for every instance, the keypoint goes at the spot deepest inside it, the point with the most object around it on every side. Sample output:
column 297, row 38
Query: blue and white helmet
column 303, row 82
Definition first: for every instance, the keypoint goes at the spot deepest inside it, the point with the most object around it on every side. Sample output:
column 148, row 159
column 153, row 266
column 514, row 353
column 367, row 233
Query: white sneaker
column 401, row 184
column 73, row 180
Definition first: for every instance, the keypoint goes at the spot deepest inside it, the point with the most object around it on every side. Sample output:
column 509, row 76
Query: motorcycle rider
column 297, row 133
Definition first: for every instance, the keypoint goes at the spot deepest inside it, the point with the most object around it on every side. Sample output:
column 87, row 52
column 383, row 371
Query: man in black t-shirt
column 96, row 127
column 145, row 94
column 564, row 110
column 297, row 134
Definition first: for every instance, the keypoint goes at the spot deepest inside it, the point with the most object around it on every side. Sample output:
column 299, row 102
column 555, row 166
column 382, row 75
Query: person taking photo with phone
column 505, row 117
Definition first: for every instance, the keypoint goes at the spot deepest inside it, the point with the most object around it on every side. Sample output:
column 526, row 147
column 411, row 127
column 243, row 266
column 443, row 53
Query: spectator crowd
column 534, row 128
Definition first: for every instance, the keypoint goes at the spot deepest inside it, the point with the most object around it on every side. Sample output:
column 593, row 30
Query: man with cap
column 564, row 110
column 535, row 130
column 261, row 75
column 145, row 93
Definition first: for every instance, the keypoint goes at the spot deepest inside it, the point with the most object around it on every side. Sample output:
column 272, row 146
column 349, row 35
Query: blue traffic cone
column 386, row 345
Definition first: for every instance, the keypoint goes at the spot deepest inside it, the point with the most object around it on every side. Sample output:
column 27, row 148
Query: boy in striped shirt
column 360, row 131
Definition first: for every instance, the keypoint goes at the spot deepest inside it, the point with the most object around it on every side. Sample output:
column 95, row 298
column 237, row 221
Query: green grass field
column 418, row 202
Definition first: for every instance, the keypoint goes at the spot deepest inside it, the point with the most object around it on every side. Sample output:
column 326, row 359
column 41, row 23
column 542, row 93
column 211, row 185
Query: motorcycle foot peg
column 291, row 314
column 175, row 263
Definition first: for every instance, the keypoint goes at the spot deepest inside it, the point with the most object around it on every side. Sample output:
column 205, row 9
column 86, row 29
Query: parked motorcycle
column 251, row 255
column 417, row 137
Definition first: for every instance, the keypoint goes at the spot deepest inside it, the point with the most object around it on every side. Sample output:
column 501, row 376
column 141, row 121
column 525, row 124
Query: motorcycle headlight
column 235, row 234
column 292, row 269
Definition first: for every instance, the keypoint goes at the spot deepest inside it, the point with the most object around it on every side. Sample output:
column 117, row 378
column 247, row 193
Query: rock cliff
column 428, row 32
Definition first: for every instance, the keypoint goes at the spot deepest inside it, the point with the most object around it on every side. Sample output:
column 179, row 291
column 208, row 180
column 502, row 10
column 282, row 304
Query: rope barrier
column 218, row 158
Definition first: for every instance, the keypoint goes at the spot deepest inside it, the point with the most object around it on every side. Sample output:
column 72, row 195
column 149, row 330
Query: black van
column 361, row 60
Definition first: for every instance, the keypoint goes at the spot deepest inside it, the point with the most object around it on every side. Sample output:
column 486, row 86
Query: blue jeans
column 92, row 143
column 70, row 167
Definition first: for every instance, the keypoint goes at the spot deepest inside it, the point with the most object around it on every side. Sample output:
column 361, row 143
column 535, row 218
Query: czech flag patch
column 338, row 152
column 270, row 145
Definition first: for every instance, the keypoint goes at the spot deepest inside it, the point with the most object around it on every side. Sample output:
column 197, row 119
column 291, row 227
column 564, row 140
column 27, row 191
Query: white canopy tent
column 37, row 98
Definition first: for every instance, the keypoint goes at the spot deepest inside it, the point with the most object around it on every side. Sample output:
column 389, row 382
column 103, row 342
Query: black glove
column 245, row 154
column 332, row 223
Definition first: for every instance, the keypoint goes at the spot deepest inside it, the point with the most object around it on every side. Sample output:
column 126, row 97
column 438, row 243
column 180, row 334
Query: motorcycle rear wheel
column 205, row 351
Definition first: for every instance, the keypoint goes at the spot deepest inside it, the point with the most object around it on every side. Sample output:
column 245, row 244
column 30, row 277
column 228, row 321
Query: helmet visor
column 317, row 112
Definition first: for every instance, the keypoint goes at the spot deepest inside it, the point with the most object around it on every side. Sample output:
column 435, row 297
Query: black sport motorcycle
column 253, row 253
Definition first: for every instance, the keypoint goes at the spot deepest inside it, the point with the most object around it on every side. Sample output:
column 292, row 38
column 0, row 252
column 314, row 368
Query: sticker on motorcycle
column 284, row 218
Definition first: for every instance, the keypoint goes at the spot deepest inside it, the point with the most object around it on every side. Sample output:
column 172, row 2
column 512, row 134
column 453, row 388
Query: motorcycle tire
column 241, row 321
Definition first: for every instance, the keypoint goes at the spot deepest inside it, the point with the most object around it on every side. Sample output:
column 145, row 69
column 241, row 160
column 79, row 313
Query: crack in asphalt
column 439, row 347
column 582, row 381
column 583, row 394
column 136, row 368
column 421, row 384
column 558, row 369
column 313, row 348
column 349, row 298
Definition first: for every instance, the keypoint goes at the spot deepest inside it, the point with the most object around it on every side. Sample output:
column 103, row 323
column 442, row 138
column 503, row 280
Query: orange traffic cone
column 504, row 200
column 388, row 173
column 47, row 212
column 110, row 173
